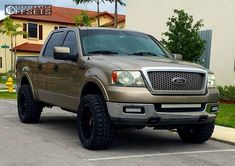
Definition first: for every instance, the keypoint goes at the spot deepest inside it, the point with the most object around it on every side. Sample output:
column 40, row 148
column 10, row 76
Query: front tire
column 197, row 134
column 29, row 110
column 95, row 128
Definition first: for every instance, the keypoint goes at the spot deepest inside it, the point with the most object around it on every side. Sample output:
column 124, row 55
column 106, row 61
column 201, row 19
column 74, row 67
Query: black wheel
column 95, row 128
column 29, row 110
column 197, row 134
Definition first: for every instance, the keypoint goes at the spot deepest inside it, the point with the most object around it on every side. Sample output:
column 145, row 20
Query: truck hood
column 138, row 62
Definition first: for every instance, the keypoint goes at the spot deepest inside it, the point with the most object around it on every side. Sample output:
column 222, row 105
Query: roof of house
column 120, row 20
column 28, row 47
column 63, row 15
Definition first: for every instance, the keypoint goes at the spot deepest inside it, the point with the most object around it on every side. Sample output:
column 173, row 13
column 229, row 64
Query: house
column 39, row 26
column 218, row 28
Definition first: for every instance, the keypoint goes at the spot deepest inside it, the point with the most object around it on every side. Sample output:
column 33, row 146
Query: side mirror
column 178, row 56
column 63, row 53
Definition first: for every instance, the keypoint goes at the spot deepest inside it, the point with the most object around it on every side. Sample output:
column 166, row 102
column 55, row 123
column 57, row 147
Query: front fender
column 99, row 83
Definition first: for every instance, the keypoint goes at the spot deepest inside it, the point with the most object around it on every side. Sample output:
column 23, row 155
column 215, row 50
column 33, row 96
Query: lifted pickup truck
column 117, row 78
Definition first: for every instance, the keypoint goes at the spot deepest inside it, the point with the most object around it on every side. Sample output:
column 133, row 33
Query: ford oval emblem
column 179, row 80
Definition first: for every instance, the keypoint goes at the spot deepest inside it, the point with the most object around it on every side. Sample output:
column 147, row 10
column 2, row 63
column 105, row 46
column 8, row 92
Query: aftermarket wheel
column 94, row 126
column 197, row 134
column 29, row 110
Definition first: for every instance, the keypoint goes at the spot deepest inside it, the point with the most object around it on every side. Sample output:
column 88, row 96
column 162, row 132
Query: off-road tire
column 29, row 110
column 94, row 126
column 198, row 133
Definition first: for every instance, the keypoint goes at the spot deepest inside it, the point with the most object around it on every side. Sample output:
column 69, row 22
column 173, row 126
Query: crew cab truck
column 117, row 78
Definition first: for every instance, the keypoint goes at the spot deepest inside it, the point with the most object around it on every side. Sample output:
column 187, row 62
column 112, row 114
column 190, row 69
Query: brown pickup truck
column 113, row 79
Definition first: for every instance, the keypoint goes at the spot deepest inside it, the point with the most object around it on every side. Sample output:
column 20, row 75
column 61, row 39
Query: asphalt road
column 54, row 141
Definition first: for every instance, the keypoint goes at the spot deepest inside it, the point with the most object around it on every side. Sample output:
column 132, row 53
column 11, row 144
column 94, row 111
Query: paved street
column 54, row 141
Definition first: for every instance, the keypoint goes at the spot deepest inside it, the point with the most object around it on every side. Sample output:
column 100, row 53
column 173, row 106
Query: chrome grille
column 162, row 82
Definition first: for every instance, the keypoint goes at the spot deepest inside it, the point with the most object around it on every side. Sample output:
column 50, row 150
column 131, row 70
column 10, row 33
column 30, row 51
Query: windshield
column 120, row 43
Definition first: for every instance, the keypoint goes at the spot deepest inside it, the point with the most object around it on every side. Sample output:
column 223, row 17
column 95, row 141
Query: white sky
column 64, row 3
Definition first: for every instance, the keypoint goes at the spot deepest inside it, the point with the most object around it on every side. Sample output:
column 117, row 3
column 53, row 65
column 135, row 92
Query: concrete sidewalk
column 224, row 134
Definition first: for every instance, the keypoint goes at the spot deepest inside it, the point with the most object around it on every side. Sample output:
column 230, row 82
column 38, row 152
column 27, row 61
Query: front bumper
column 153, row 118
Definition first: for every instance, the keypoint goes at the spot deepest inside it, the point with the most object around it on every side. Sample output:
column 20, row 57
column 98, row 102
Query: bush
column 227, row 93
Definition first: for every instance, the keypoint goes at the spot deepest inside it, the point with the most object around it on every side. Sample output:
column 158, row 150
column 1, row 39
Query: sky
column 63, row 3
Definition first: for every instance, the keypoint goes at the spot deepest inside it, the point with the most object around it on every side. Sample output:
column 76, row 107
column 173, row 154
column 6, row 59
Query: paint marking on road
column 158, row 154
column 8, row 116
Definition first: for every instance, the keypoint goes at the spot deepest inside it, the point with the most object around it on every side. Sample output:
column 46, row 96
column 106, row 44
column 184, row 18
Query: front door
column 66, row 75
column 45, row 69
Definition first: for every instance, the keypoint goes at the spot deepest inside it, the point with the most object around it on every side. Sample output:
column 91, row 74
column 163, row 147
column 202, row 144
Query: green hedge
column 227, row 93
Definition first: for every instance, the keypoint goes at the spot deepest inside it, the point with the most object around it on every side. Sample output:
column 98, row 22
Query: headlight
column 127, row 78
column 211, row 80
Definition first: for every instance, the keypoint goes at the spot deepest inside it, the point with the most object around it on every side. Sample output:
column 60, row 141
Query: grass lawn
column 7, row 95
column 226, row 115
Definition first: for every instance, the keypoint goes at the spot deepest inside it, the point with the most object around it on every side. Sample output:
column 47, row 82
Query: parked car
column 117, row 78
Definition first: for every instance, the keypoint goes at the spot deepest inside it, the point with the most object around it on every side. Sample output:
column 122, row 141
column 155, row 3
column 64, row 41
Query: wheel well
column 24, row 81
column 91, row 88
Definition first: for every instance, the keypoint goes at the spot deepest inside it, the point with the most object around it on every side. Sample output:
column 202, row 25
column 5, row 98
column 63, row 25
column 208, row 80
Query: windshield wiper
column 102, row 52
column 142, row 53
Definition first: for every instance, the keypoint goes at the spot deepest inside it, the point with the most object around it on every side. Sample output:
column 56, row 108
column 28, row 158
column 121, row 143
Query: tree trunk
column 6, row 58
column 11, row 52
column 14, row 59
column 98, row 12
column 116, row 14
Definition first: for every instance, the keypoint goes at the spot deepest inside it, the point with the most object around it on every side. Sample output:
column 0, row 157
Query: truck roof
column 98, row 28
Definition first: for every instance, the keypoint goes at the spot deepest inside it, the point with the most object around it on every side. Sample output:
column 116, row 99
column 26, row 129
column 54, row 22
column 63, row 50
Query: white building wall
column 151, row 16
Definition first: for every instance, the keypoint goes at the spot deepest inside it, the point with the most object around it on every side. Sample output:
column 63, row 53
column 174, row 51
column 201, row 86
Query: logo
column 28, row 9
column 179, row 80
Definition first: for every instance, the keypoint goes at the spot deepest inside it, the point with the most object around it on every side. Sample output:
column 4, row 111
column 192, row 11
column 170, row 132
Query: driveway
column 54, row 141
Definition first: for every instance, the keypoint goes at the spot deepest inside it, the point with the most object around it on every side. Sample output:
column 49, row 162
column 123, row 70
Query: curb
column 222, row 141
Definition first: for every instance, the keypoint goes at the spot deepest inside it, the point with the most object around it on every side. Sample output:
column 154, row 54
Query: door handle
column 56, row 68
column 39, row 66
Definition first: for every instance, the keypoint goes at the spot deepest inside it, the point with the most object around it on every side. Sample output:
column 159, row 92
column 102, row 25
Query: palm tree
column 116, row 10
column 90, row 1
column 16, row 33
column 82, row 20
column 10, row 29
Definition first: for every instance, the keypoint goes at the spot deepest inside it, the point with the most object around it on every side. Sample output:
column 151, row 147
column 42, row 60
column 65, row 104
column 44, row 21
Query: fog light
column 214, row 108
column 133, row 110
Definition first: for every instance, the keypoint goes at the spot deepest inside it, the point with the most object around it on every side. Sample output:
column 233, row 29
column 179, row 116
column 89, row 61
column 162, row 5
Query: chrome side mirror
column 178, row 56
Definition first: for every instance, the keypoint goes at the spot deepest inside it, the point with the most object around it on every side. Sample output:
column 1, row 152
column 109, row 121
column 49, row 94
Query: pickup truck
column 114, row 79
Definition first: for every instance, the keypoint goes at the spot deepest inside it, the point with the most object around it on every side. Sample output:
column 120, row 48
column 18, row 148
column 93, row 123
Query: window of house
column 32, row 30
column 0, row 62
column 54, row 41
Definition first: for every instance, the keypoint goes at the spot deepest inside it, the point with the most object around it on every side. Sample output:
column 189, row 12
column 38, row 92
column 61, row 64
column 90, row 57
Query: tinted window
column 121, row 42
column 54, row 41
column 71, row 42
column 32, row 30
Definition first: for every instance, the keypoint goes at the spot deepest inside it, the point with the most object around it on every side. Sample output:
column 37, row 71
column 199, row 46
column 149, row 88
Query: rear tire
column 197, row 134
column 95, row 128
column 29, row 110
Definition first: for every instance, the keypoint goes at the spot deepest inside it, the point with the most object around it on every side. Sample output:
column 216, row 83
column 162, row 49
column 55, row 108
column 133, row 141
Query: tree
column 9, row 28
column 90, row 1
column 98, row 8
column 183, row 36
column 82, row 20
column 116, row 10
